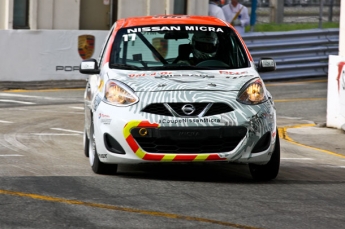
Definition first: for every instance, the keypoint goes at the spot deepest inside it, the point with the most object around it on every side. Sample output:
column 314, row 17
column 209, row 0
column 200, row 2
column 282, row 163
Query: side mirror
column 89, row 66
column 266, row 65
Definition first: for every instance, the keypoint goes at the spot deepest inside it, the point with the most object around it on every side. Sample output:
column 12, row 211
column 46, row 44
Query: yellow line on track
column 124, row 209
column 297, row 100
column 283, row 135
column 295, row 82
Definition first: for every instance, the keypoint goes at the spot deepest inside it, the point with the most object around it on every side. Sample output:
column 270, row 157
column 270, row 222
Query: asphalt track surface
column 46, row 181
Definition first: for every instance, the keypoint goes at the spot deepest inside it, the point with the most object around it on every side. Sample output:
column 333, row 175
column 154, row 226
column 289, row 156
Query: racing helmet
column 204, row 45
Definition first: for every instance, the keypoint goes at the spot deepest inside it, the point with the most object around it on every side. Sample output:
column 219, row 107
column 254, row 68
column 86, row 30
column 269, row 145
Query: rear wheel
column 270, row 170
column 96, row 165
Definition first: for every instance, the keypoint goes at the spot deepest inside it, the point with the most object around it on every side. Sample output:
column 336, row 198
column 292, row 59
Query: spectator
column 237, row 15
column 214, row 9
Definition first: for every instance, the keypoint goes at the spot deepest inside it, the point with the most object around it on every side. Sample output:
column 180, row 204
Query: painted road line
column 125, row 209
column 296, row 158
column 73, row 131
column 78, row 108
column 2, row 121
column 296, row 82
column 30, row 96
column 283, row 135
column 45, row 90
column 298, row 100
column 54, row 134
column 11, row 155
column 16, row 101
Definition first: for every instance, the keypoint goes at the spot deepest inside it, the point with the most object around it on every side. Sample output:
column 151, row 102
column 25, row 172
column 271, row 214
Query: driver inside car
column 204, row 46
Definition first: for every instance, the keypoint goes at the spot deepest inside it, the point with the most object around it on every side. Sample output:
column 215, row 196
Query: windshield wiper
column 124, row 66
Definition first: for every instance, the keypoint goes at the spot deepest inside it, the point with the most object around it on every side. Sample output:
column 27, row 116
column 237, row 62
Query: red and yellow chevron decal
column 162, row 157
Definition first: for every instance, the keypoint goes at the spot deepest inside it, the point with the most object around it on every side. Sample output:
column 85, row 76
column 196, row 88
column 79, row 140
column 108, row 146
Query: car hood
column 210, row 80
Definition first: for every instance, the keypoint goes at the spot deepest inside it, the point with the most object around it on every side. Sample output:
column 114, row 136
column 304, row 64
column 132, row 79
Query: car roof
column 171, row 19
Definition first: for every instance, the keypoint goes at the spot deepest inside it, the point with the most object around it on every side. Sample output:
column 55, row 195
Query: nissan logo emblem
column 188, row 109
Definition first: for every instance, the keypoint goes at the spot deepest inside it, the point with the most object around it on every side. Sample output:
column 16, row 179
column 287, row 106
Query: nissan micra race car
column 178, row 88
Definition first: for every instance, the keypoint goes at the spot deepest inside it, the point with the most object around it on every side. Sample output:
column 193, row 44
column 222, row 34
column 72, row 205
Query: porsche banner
column 47, row 54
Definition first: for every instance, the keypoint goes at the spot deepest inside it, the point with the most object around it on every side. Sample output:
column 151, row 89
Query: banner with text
column 39, row 55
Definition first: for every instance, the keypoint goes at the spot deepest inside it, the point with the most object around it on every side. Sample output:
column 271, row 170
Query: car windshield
column 177, row 47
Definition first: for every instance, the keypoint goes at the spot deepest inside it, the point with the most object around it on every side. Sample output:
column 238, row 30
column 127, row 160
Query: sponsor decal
column 232, row 73
column 103, row 116
column 105, row 119
column 176, row 28
column 168, row 75
column 86, row 46
column 161, row 45
column 189, row 120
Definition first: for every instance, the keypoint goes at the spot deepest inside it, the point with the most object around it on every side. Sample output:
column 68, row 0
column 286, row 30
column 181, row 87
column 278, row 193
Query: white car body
column 150, row 108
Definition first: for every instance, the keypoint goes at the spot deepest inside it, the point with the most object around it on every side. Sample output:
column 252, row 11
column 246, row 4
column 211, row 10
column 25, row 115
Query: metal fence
column 298, row 54
column 298, row 11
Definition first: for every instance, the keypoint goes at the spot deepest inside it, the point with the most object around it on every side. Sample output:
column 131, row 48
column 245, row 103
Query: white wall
column 197, row 7
column 57, row 14
column 29, row 55
column 66, row 14
column 336, row 92
column 143, row 8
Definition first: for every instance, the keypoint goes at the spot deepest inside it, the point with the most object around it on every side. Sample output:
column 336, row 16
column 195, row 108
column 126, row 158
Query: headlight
column 119, row 94
column 252, row 93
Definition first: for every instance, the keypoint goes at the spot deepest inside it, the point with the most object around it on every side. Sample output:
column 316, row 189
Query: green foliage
column 272, row 27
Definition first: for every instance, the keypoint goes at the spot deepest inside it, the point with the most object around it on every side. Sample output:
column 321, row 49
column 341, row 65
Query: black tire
column 97, row 166
column 270, row 170
column 86, row 142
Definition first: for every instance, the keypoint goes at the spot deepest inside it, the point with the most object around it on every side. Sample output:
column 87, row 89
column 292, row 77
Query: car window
column 171, row 46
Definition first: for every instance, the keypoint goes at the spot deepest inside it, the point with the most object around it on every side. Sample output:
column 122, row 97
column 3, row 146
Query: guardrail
column 302, row 53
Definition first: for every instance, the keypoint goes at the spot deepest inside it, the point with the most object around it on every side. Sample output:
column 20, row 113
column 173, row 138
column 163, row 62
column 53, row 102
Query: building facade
column 87, row 14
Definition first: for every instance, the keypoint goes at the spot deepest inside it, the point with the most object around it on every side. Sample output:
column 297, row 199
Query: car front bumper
column 154, row 138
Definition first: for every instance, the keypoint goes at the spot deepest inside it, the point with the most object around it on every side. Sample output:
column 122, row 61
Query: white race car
column 177, row 88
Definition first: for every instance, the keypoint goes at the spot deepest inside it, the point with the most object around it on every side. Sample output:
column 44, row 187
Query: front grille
column 218, row 108
column 177, row 107
column 158, row 109
column 161, row 109
column 188, row 140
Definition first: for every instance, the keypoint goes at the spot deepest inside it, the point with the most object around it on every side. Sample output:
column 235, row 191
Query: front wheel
column 270, row 170
column 96, row 165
